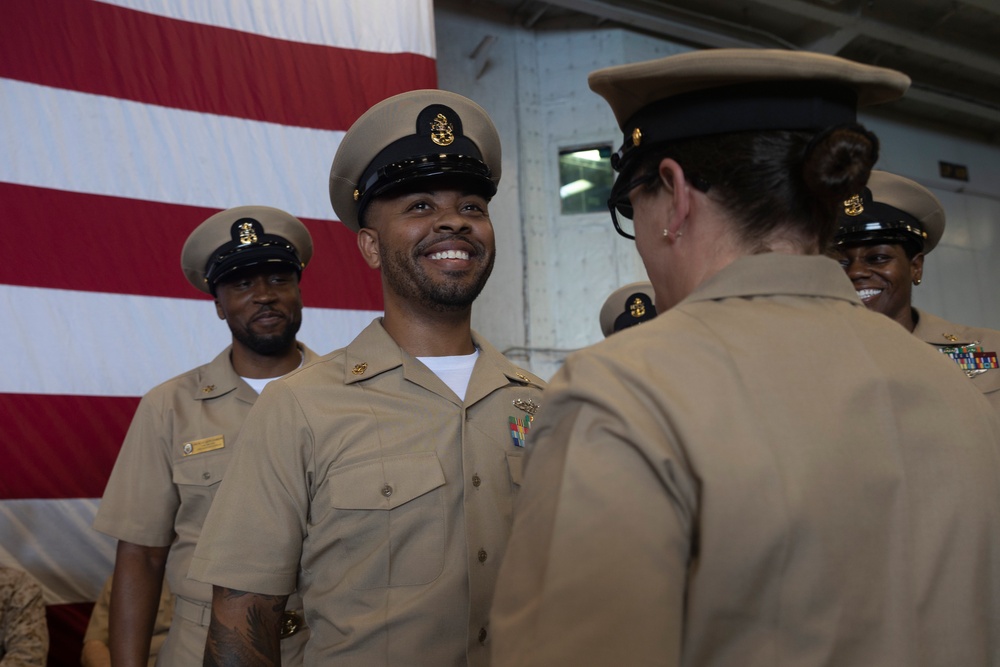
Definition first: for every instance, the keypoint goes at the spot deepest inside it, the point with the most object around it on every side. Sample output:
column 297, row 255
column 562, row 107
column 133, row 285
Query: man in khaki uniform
column 883, row 236
column 385, row 472
column 767, row 473
column 182, row 437
column 626, row 307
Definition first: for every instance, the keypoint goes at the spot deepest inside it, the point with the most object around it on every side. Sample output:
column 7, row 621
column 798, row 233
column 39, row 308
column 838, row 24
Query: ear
column 218, row 310
column 917, row 267
column 368, row 245
column 672, row 176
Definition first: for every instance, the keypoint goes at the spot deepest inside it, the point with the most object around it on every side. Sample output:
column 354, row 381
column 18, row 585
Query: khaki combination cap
column 416, row 135
column 891, row 209
column 627, row 306
column 718, row 91
column 242, row 237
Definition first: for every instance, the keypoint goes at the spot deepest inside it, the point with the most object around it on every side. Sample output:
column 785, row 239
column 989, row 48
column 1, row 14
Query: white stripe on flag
column 98, row 344
column 53, row 540
column 403, row 26
column 115, row 147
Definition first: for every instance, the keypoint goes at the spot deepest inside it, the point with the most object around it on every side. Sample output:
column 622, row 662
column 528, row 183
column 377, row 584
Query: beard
column 268, row 345
column 406, row 277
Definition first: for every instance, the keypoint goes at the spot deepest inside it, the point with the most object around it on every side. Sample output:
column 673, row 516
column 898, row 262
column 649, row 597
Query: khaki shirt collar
column 219, row 378
column 774, row 273
column 374, row 351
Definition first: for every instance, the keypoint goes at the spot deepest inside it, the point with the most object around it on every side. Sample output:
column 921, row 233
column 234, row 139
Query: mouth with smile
column 451, row 251
column 449, row 254
column 868, row 293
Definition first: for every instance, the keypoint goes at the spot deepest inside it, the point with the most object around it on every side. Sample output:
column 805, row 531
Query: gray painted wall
column 554, row 271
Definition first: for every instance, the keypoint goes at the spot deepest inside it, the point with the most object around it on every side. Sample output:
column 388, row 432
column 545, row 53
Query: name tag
column 204, row 445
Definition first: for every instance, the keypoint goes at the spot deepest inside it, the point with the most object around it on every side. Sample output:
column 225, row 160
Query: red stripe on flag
column 129, row 246
column 94, row 47
column 60, row 446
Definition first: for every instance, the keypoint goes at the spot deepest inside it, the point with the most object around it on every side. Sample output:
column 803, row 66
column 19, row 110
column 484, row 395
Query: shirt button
column 482, row 635
column 482, row 555
column 476, row 481
column 386, row 490
column 206, row 475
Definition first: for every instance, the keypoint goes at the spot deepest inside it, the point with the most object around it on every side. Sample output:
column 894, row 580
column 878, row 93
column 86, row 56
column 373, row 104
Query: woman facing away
column 766, row 473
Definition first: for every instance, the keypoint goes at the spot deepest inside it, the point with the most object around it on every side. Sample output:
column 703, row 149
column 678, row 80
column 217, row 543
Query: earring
column 917, row 281
column 667, row 233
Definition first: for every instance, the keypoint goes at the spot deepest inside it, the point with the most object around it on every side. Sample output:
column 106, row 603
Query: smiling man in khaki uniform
column 386, row 472
column 183, row 435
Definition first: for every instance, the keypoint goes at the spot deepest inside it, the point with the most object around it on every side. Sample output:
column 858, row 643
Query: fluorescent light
column 575, row 188
column 593, row 155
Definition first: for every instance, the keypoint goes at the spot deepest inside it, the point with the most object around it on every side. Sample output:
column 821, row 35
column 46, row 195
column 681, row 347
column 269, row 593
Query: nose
column 856, row 269
column 451, row 220
column 263, row 290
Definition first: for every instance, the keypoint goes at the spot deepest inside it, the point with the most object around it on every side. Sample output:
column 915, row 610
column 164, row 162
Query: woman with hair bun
column 767, row 473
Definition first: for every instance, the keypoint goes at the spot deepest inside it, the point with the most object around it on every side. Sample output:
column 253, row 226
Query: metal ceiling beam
column 955, row 104
column 887, row 33
column 651, row 22
column 833, row 42
column 848, row 24
column 991, row 6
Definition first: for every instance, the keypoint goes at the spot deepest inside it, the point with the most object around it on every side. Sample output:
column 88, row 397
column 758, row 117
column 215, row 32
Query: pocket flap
column 200, row 470
column 386, row 483
column 515, row 464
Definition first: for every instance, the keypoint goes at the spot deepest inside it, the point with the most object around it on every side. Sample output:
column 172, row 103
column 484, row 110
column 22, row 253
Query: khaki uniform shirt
column 24, row 635
column 176, row 450
column 767, row 474
column 383, row 496
column 943, row 334
column 97, row 627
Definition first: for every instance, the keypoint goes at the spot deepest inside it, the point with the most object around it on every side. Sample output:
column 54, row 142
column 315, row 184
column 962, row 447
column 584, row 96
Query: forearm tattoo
column 244, row 629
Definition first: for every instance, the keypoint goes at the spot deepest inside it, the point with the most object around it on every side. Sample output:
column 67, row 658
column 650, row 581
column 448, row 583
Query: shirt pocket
column 200, row 470
column 515, row 467
column 197, row 480
column 389, row 514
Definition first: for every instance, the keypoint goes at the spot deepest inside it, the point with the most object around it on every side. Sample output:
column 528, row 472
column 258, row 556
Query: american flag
column 123, row 125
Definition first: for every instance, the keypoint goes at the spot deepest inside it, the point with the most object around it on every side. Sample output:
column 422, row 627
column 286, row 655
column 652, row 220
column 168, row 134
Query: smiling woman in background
column 883, row 236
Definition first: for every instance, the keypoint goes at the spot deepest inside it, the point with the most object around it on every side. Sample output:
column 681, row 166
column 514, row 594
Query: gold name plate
column 204, row 445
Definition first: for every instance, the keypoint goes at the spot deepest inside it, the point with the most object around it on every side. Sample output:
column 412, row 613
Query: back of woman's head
column 779, row 183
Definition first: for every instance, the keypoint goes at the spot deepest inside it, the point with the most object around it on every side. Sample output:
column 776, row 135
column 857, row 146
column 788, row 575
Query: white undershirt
column 453, row 371
column 258, row 384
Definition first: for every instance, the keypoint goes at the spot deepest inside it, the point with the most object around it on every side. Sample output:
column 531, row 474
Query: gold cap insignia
column 528, row 405
column 636, row 137
column 357, row 195
column 359, row 369
column 853, row 206
column 637, row 308
column 247, row 234
column 442, row 132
